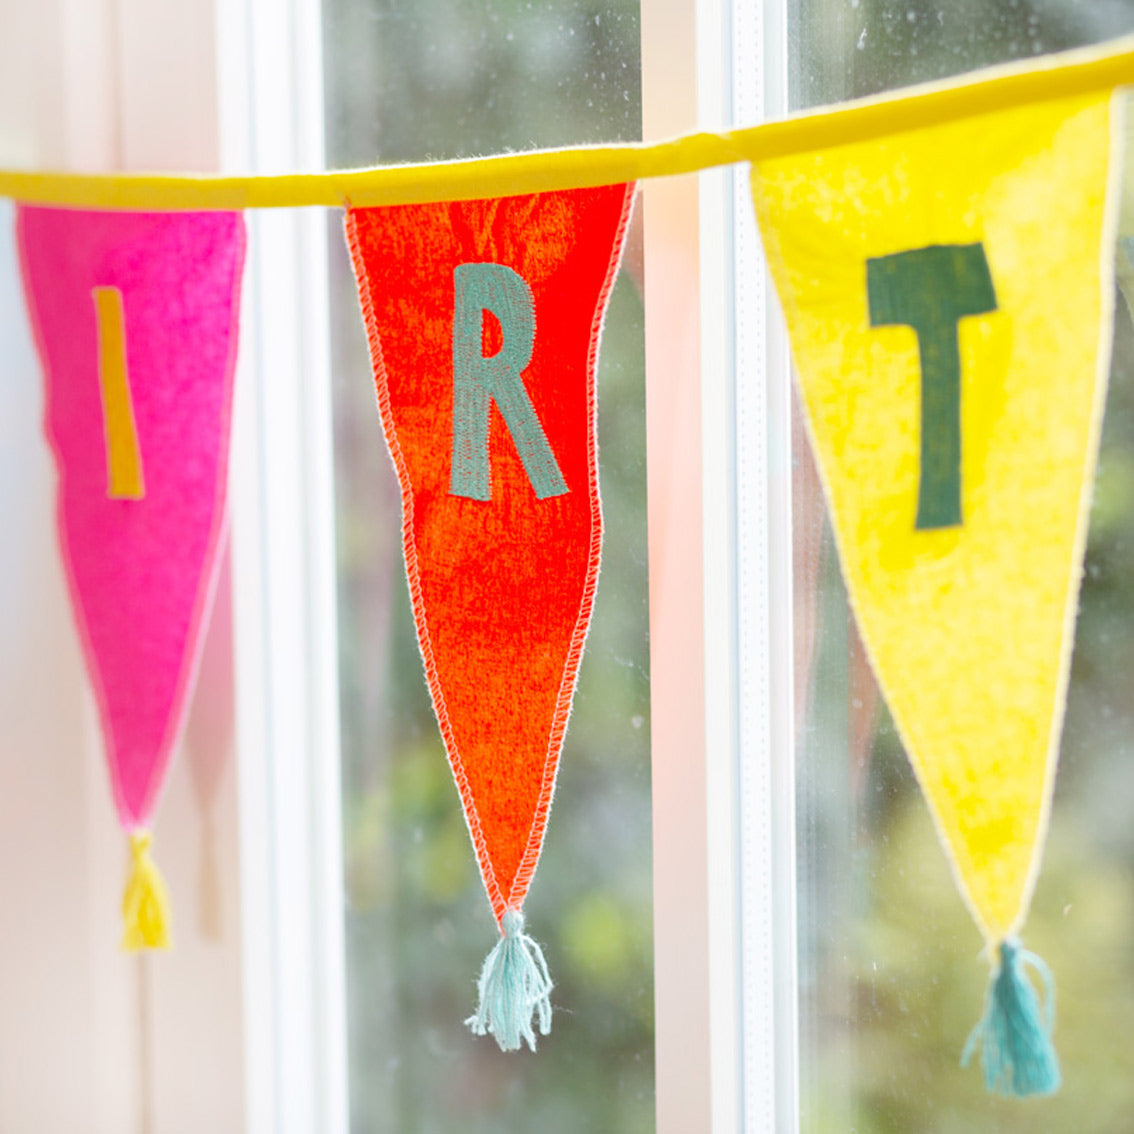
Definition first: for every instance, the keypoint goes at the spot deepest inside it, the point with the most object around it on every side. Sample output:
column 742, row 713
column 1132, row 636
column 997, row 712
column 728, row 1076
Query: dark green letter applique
column 931, row 290
column 478, row 381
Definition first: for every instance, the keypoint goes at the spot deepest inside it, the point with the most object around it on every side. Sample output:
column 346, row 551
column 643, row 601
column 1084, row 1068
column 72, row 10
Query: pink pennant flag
column 135, row 317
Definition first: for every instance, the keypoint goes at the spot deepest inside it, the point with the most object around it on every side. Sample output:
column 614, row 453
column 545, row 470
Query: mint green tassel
column 514, row 986
column 1016, row 1050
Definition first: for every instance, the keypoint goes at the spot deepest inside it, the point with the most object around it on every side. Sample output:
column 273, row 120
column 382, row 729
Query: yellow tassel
column 145, row 905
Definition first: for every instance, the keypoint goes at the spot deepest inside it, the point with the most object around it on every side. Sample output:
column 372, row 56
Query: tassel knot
column 145, row 905
column 1017, row 1054
column 514, row 987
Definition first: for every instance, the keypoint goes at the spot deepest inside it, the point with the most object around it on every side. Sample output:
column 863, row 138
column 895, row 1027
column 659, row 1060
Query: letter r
column 478, row 381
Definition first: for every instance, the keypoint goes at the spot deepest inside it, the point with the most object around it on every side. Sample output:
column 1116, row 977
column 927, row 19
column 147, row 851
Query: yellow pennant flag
column 948, row 295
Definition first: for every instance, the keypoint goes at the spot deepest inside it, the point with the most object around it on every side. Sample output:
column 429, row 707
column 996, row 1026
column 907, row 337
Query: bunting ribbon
column 1062, row 75
column 944, row 259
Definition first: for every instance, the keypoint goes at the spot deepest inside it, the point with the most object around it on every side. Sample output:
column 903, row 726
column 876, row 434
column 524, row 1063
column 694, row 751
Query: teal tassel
column 514, row 986
column 1016, row 1050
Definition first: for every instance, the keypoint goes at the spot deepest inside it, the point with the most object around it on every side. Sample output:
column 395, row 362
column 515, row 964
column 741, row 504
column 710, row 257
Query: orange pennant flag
column 483, row 319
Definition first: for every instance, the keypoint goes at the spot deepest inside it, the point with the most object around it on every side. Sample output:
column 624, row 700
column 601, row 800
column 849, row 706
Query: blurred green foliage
column 891, row 974
column 440, row 79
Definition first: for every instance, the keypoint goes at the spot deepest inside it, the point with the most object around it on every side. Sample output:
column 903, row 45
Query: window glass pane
column 890, row 972
column 431, row 80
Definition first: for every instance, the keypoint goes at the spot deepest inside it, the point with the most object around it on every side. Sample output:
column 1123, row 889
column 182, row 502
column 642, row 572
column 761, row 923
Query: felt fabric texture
column 503, row 587
column 968, row 615
column 140, row 565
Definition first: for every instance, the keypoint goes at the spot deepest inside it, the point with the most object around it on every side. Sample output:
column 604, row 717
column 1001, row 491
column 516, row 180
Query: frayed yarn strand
column 514, row 987
column 1015, row 1039
column 145, row 905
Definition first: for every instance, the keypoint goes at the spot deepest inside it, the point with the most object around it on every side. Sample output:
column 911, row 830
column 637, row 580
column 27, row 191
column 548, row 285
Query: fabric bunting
column 945, row 260
column 483, row 319
column 948, row 295
column 135, row 316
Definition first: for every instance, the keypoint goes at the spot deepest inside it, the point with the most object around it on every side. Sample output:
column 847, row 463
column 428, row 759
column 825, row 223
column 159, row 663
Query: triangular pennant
column 948, row 292
column 483, row 319
column 135, row 316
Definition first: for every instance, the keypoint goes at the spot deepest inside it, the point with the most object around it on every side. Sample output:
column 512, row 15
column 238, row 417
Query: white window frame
column 271, row 101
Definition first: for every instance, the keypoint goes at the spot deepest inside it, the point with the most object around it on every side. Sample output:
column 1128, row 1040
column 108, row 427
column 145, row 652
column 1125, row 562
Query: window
column 748, row 918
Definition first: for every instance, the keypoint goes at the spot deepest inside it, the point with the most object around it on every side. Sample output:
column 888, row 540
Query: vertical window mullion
column 718, row 386
column 682, row 1039
column 283, row 537
column 766, row 805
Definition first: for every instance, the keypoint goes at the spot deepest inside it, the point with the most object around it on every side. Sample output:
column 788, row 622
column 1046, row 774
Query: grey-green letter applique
column 478, row 381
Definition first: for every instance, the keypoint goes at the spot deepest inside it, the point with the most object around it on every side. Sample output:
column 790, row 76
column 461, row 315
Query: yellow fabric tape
column 1053, row 77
